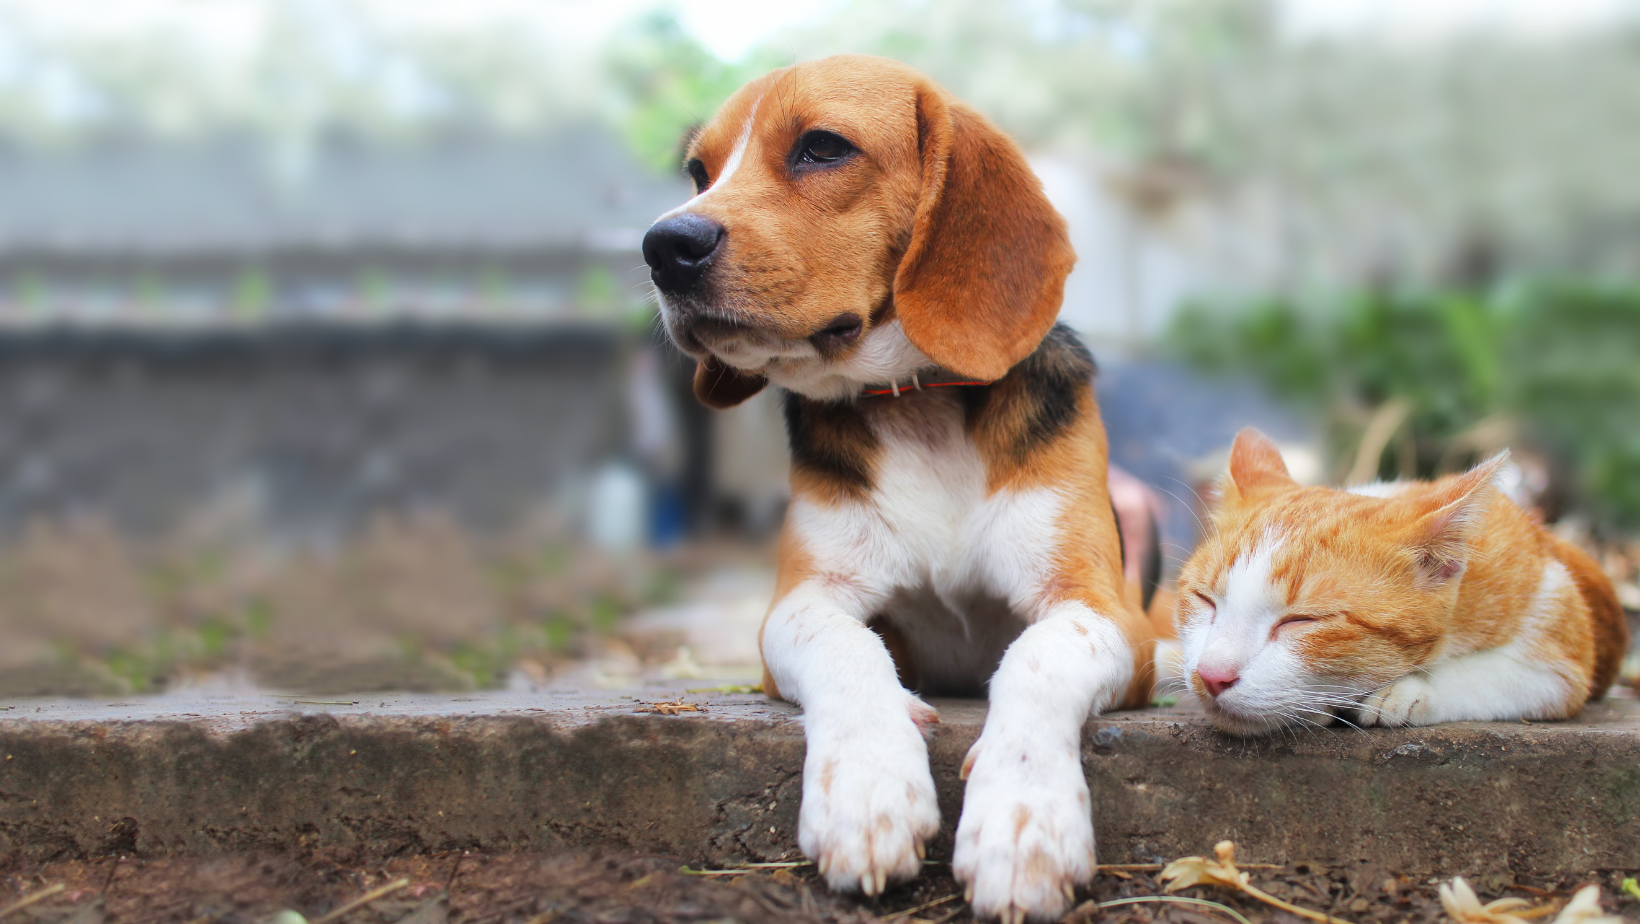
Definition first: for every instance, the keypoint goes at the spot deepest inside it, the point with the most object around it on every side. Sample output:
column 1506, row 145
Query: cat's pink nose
column 1217, row 678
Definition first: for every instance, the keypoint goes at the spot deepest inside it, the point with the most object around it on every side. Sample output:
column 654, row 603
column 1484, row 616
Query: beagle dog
column 884, row 255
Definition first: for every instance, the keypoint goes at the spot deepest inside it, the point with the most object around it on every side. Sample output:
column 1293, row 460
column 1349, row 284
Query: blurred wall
column 279, row 338
column 302, row 433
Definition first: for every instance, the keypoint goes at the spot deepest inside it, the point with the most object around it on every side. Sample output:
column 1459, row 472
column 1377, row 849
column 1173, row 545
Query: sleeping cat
column 1409, row 603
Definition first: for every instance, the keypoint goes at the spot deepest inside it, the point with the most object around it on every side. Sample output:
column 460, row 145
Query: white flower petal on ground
column 1584, row 908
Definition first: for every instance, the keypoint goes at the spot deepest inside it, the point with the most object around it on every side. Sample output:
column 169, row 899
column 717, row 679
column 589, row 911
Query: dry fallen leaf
column 1584, row 908
column 1221, row 871
column 672, row 708
column 1462, row 906
column 1193, row 871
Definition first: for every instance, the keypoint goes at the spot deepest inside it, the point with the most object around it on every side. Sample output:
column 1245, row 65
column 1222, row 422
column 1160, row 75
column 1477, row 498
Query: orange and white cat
column 1408, row 603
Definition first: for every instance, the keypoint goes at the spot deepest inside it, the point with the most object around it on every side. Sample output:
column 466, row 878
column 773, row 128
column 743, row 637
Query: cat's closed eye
column 1207, row 604
column 1293, row 621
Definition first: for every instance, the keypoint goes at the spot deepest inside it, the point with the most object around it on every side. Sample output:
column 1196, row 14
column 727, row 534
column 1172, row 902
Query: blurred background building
column 324, row 330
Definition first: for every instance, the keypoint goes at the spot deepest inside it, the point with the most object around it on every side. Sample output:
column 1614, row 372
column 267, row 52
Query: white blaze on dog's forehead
column 729, row 166
column 739, row 152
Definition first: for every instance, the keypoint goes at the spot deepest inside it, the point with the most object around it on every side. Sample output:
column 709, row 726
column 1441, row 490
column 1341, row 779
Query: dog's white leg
column 1026, row 835
column 868, row 795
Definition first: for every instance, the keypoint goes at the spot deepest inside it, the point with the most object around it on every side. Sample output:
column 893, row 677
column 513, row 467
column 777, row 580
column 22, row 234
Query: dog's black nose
column 679, row 249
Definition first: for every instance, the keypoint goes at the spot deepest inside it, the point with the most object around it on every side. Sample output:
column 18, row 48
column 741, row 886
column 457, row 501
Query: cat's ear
column 1255, row 464
column 1445, row 535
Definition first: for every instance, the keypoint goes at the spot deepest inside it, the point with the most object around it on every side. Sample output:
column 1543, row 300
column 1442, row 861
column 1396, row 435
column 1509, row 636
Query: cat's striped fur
column 1410, row 603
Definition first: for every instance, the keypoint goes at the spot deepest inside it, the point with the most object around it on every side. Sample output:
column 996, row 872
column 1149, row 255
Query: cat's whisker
column 1288, row 733
column 1335, row 706
column 1350, row 697
column 1299, row 709
column 1328, row 689
column 1283, row 729
column 1186, row 504
column 1338, row 706
column 1336, row 700
column 1335, row 714
column 1337, row 709
column 1257, row 552
column 1362, row 709
column 1200, row 501
column 1193, row 492
column 1306, row 724
column 1358, row 729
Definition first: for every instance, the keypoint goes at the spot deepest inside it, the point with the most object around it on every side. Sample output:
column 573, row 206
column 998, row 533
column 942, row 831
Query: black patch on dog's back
column 831, row 440
column 1041, row 393
column 1058, row 372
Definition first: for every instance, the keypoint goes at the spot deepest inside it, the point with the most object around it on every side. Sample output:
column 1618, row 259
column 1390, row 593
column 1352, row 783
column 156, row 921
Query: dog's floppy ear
column 983, row 277
column 720, row 386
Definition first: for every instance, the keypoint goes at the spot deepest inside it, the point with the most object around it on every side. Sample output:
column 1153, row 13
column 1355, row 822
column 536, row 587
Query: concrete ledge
column 202, row 775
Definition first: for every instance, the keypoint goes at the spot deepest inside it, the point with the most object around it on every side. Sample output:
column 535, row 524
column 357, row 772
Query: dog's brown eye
column 697, row 172
column 818, row 147
column 842, row 331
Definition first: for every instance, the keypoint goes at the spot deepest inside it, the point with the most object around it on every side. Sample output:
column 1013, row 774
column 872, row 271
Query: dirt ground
column 609, row 888
column 414, row 603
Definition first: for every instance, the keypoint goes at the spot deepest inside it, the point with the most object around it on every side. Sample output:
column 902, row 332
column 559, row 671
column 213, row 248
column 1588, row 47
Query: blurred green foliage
column 409, row 605
column 1560, row 359
column 671, row 85
column 155, row 660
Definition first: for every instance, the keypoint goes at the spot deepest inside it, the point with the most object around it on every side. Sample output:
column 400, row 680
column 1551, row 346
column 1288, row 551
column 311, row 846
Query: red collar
column 938, row 378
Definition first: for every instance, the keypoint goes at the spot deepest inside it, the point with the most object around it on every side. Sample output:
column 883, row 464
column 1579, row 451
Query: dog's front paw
column 1025, row 840
column 868, row 800
column 1408, row 701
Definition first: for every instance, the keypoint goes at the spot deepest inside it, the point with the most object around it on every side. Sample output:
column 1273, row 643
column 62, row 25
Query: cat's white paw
column 868, row 798
column 1025, row 840
column 1408, row 701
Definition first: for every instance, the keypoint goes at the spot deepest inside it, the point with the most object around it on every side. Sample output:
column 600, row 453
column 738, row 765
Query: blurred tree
column 1558, row 359
column 285, row 68
column 1368, row 156
column 666, row 84
column 1354, row 155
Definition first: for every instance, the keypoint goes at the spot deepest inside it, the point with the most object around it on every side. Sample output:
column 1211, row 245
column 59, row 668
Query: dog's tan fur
column 936, row 237
column 942, row 225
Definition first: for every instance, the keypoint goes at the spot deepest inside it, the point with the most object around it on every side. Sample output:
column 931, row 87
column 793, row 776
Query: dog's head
column 854, row 223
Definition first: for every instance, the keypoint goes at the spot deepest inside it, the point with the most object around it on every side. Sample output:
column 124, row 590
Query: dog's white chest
column 952, row 565
column 928, row 481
